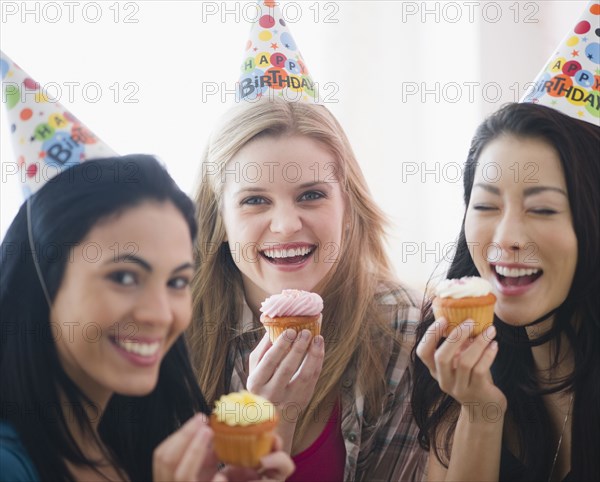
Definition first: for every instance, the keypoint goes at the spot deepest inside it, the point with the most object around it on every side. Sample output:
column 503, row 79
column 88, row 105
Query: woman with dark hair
column 525, row 406
column 94, row 298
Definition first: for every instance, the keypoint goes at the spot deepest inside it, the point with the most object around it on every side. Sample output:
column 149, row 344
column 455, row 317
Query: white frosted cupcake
column 466, row 298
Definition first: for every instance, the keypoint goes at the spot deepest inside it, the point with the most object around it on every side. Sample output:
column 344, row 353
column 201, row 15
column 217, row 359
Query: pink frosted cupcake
column 299, row 310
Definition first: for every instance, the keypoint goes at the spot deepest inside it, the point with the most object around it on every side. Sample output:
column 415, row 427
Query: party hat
column 570, row 82
column 46, row 137
column 273, row 65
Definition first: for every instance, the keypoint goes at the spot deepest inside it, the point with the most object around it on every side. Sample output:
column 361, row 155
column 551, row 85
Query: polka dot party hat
column 273, row 65
column 570, row 82
column 46, row 137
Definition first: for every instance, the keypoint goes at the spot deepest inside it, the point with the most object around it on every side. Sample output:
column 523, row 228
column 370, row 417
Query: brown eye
column 179, row 283
column 125, row 278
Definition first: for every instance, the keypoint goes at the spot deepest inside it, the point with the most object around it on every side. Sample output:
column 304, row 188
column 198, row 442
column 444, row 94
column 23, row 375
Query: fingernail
column 490, row 332
column 305, row 335
column 290, row 334
column 200, row 418
column 318, row 340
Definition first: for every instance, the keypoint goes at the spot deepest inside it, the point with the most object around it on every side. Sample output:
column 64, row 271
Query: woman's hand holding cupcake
column 286, row 373
column 187, row 455
column 190, row 454
column 461, row 366
column 464, row 311
column 275, row 466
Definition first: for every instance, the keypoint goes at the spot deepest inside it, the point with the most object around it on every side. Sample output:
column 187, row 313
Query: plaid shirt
column 386, row 450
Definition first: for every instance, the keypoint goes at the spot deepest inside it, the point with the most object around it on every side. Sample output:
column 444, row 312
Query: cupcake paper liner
column 483, row 315
column 276, row 326
column 242, row 446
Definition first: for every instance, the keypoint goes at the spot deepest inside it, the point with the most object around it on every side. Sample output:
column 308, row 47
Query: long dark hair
column 577, row 144
column 31, row 377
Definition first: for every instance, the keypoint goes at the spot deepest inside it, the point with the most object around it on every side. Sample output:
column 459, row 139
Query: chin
column 137, row 389
column 514, row 319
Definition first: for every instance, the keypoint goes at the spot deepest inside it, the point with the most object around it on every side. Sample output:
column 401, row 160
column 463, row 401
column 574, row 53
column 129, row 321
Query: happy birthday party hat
column 273, row 65
column 570, row 81
column 46, row 137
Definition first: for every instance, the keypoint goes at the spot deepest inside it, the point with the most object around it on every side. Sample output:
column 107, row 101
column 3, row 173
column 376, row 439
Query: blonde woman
column 283, row 204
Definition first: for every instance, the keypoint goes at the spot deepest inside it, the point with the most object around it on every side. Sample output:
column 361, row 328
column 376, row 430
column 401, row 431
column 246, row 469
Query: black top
column 513, row 470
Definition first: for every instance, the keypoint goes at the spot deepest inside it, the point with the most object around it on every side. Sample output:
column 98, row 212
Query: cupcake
column 299, row 310
column 243, row 425
column 470, row 297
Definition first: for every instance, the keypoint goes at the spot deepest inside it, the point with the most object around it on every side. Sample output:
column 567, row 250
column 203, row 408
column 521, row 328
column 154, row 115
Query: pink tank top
column 325, row 459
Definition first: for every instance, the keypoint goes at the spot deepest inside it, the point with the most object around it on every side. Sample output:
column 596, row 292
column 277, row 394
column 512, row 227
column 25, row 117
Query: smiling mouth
column 137, row 348
column 288, row 256
column 516, row 276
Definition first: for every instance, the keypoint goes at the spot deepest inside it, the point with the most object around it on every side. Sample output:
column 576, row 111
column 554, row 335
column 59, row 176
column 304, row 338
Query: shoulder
column 398, row 294
column 401, row 304
column 400, row 309
column 14, row 460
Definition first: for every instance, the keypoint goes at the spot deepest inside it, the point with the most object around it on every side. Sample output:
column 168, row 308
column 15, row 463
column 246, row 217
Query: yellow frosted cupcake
column 470, row 297
column 296, row 309
column 243, row 425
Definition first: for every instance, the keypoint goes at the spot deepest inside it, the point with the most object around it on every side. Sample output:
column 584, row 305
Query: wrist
column 286, row 431
column 485, row 414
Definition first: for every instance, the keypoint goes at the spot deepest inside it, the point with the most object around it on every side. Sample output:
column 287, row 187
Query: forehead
column 154, row 230
column 282, row 159
column 519, row 161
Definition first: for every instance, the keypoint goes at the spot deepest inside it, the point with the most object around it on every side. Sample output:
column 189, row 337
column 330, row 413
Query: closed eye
column 484, row 207
column 311, row 196
column 544, row 211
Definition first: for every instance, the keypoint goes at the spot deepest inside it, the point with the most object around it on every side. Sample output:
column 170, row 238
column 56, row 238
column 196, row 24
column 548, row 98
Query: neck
column 545, row 354
column 254, row 296
column 538, row 329
column 87, row 442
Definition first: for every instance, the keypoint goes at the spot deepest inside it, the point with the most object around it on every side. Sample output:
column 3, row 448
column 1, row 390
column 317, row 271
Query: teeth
column 287, row 253
column 515, row 272
column 141, row 349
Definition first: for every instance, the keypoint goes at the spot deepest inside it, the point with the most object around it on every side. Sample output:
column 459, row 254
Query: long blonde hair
column 351, row 313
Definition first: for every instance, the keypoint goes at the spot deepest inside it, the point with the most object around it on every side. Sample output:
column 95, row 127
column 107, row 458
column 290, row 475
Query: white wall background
column 413, row 80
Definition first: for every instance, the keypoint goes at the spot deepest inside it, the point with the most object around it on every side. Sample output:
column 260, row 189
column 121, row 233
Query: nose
column 285, row 220
column 510, row 234
column 153, row 306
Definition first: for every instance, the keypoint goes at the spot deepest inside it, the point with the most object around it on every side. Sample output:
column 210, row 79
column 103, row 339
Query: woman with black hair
column 525, row 406
column 94, row 298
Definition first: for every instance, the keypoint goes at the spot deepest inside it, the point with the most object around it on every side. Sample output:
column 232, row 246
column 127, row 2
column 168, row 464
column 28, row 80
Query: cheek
column 184, row 315
column 471, row 232
column 238, row 229
column 183, row 312
column 567, row 246
column 228, row 219
column 476, row 238
column 182, row 319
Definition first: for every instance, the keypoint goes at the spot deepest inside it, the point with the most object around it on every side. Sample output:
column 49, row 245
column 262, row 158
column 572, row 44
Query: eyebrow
column 488, row 188
column 530, row 191
column 130, row 258
column 322, row 184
